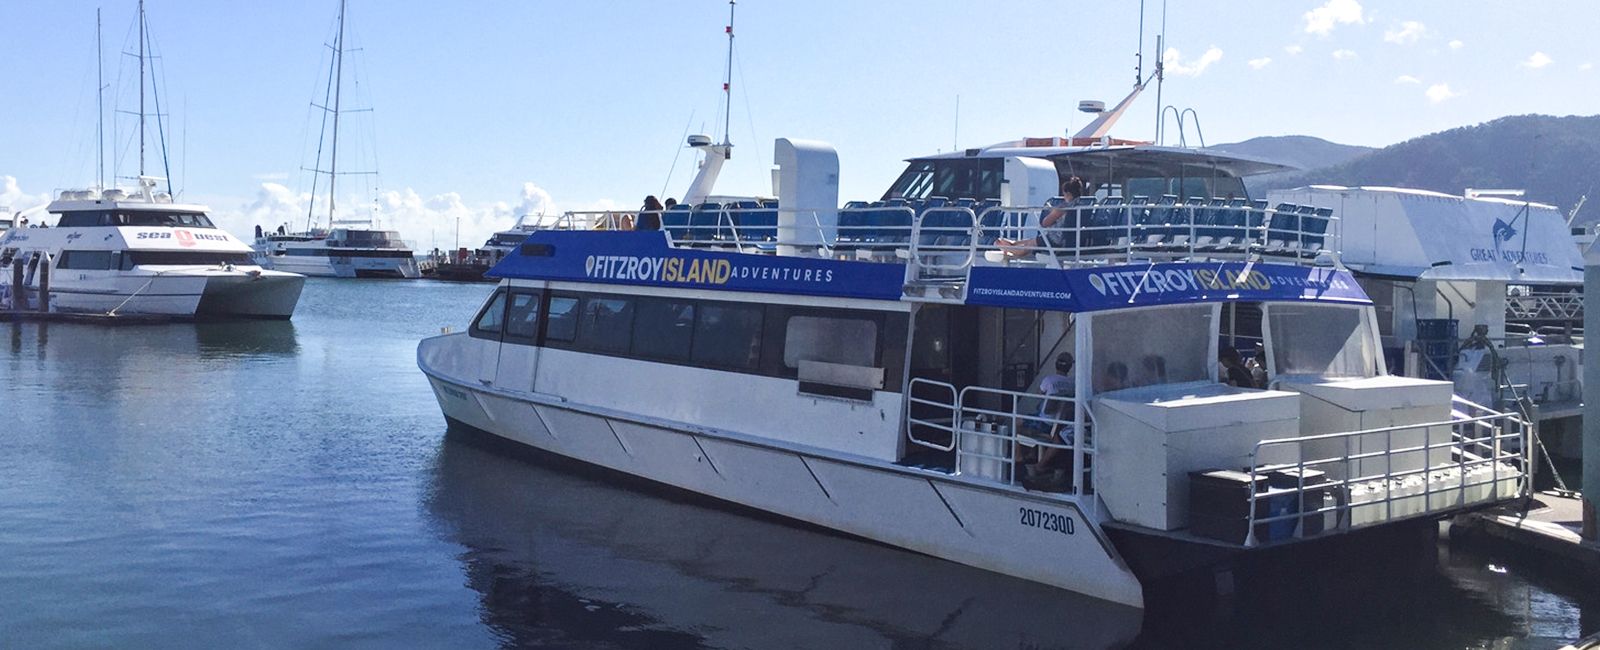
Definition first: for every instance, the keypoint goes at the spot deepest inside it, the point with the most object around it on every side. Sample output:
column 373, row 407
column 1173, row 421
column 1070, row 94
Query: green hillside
column 1556, row 159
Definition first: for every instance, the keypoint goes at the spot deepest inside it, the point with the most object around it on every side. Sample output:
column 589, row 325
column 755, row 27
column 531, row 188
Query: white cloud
column 13, row 199
column 1407, row 33
column 1440, row 92
column 425, row 222
column 1260, row 63
column 1174, row 63
column 1407, row 79
column 1294, row 50
column 1586, row 67
column 1344, row 55
column 1457, row 44
column 1322, row 20
column 1537, row 60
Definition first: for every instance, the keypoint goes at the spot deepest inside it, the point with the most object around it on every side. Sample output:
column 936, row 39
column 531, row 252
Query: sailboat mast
column 100, row 105
column 141, row 87
column 727, row 83
column 338, row 77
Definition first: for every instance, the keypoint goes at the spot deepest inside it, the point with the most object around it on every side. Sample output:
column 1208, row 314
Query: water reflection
column 246, row 338
column 559, row 556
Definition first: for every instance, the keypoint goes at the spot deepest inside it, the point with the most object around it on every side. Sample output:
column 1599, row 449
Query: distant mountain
column 1302, row 151
column 1556, row 159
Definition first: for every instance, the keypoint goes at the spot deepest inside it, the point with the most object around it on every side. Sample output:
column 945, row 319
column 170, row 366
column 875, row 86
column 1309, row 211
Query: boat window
column 561, row 321
column 185, row 258
column 956, row 178
column 88, row 260
column 662, row 329
column 849, row 341
column 727, row 336
column 1141, row 347
column 491, row 319
column 1320, row 340
column 604, row 324
column 84, row 219
column 522, row 318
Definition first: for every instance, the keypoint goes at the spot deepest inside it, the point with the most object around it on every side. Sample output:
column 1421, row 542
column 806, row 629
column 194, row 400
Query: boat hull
column 345, row 267
column 989, row 526
column 199, row 294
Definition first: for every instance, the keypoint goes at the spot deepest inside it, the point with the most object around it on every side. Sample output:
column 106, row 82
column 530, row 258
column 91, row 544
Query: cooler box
column 1219, row 506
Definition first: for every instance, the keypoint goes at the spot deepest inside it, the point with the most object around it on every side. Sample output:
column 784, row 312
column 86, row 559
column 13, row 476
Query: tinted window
column 562, row 321
column 522, row 321
column 662, row 329
column 851, row 341
column 728, row 336
column 200, row 258
column 605, row 324
column 88, row 260
column 493, row 317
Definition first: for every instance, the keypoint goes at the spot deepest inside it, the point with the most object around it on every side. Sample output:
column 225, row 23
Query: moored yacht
column 115, row 253
column 971, row 369
column 346, row 251
column 464, row 265
column 348, row 247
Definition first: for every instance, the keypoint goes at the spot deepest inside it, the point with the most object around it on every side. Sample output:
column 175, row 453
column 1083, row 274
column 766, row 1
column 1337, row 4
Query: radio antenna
column 727, row 82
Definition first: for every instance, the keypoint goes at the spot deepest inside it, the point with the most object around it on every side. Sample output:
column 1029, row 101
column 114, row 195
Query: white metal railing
column 916, row 424
column 941, row 241
column 988, row 429
column 1387, row 474
column 995, row 428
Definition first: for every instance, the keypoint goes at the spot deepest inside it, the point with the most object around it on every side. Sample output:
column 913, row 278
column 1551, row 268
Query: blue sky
column 483, row 109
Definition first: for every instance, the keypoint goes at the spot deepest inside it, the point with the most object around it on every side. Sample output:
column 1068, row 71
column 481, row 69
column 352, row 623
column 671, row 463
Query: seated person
column 1071, row 189
column 1233, row 372
column 1152, row 370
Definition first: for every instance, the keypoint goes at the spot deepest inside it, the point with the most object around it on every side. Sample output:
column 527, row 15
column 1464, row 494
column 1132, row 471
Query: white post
column 1591, row 398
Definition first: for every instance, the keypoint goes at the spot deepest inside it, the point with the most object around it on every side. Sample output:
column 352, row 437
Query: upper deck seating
column 1151, row 226
column 1283, row 230
column 754, row 222
column 1313, row 228
column 676, row 221
column 891, row 223
column 853, row 229
column 1256, row 222
column 706, row 223
column 1233, row 220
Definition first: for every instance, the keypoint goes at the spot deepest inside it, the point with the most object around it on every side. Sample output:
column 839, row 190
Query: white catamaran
column 119, row 252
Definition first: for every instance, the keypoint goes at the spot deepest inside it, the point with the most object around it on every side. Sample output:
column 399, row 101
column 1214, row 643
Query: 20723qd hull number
column 1047, row 520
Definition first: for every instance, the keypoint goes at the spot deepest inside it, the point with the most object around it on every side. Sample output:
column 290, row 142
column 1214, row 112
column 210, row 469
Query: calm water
column 292, row 485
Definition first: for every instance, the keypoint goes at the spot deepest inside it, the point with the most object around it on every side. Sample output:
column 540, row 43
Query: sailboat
column 346, row 247
column 137, row 251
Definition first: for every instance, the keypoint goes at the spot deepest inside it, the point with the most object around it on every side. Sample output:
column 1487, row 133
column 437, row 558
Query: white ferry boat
column 900, row 369
column 112, row 253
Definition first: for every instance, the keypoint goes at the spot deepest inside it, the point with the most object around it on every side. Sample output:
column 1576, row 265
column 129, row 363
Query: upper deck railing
column 939, row 240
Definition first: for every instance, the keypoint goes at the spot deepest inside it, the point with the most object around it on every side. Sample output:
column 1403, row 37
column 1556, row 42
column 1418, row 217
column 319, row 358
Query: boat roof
column 1125, row 153
column 646, row 259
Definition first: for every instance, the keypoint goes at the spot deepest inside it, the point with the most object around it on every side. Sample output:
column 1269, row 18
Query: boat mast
column 727, row 84
column 100, row 106
column 141, row 87
column 338, row 78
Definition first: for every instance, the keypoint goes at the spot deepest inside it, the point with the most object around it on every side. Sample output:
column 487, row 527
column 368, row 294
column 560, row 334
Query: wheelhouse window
column 951, row 178
column 1143, row 347
column 1320, row 340
column 491, row 321
column 91, row 218
column 522, row 316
